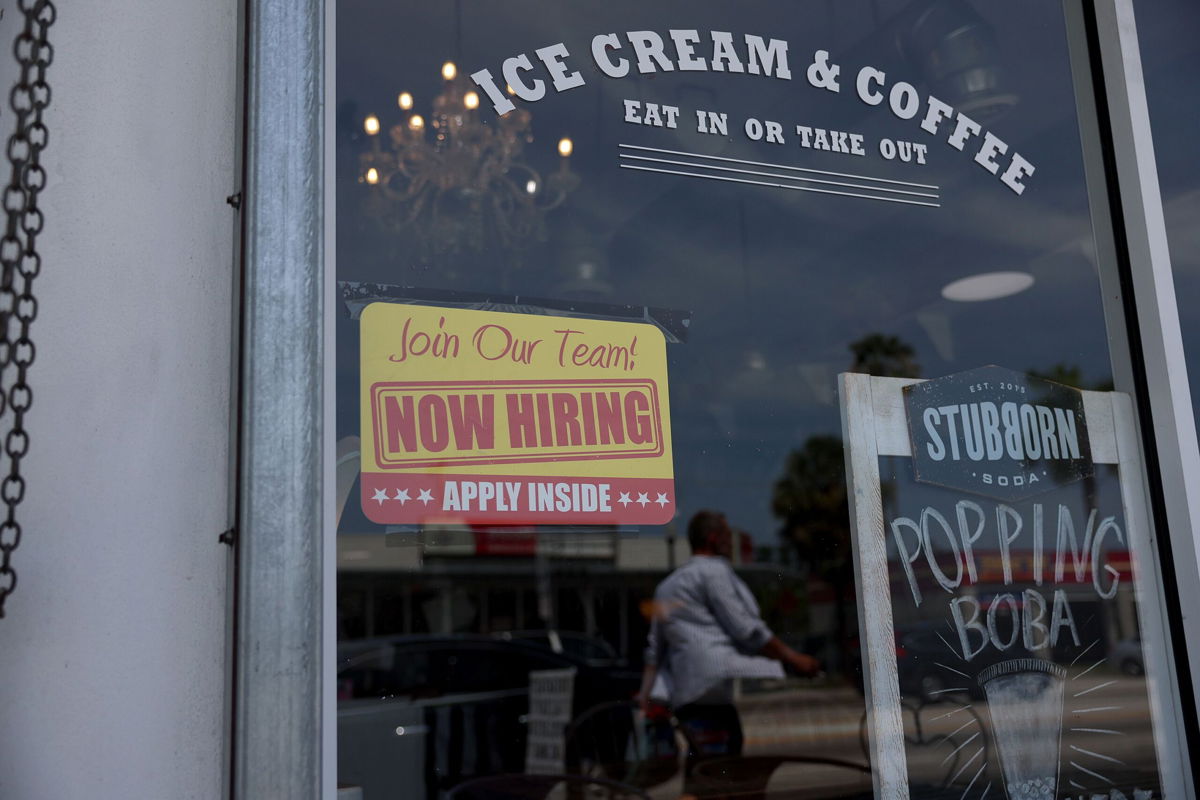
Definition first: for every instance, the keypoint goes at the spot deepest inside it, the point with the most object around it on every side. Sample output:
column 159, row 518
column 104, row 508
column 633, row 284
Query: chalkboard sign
column 1006, row 592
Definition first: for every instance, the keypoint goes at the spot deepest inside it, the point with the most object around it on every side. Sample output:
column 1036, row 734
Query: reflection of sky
column 778, row 283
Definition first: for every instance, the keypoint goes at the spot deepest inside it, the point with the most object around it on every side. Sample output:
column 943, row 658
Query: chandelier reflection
column 456, row 183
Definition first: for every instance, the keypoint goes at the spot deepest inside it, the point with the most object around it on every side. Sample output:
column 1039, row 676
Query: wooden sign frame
column 874, row 425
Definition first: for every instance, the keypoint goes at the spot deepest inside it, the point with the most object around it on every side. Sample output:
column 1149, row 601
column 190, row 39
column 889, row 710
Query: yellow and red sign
column 489, row 417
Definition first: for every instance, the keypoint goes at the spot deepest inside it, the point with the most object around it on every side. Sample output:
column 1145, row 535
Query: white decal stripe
column 933, row 195
column 1089, row 772
column 778, row 166
column 781, row 186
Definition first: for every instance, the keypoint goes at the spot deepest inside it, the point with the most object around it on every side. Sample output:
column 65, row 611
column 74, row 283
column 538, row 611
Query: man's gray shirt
column 706, row 630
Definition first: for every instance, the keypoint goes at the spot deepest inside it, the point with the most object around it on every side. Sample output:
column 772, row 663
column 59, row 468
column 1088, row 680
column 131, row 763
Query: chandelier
column 456, row 183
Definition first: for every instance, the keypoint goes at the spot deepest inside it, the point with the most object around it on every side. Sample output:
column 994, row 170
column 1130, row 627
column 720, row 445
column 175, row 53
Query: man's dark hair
column 702, row 525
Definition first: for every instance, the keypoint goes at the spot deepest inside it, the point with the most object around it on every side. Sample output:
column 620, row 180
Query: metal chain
column 20, row 262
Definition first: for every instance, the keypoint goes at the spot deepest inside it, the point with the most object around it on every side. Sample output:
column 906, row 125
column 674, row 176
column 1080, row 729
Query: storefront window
column 599, row 268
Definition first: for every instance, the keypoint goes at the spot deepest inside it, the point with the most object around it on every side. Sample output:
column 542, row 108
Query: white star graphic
column 380, row 496
column 662, row 500
column 642, row 499
column 402, row 496
column 425, row 496
column 624, row 499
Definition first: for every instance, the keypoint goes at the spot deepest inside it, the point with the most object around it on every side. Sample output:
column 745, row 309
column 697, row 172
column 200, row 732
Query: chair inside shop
column 614, row 740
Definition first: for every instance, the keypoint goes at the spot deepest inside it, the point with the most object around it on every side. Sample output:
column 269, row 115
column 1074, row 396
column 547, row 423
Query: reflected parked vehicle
column 1126, row 655
column 446, row 708
column 929, row 672
column 596, row 652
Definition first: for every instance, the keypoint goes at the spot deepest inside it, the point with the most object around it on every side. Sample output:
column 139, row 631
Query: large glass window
column 599, row 267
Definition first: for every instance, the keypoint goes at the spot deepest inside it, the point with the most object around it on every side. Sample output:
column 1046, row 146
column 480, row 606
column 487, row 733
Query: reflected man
column 706, row 631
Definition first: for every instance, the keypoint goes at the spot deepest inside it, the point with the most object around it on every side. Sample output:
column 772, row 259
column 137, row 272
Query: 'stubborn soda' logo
column 996, row 432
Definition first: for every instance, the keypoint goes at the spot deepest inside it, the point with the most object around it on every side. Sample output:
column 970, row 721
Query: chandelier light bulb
column 508, row 88
column 427, row 156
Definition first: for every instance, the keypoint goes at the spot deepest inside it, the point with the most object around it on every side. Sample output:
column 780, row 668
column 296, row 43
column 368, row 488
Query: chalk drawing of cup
column 1025, row 699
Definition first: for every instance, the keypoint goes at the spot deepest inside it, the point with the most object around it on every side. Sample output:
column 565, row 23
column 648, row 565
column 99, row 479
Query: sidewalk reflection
column 830, row 722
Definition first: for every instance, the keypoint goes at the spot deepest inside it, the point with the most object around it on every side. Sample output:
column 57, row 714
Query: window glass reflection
column 773, row 233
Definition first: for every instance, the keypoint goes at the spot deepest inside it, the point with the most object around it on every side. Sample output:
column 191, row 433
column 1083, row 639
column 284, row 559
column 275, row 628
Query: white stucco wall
column 112, row 654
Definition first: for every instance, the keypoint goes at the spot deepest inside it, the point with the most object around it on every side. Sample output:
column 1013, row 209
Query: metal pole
column 277, row 713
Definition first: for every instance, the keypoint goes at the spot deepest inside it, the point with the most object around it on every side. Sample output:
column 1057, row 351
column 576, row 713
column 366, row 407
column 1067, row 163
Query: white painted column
column 113, row 651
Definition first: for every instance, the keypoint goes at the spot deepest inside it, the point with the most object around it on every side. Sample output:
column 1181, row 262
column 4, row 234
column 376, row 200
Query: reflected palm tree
column 1072, row 375
column 811, row 498
column 884, row 356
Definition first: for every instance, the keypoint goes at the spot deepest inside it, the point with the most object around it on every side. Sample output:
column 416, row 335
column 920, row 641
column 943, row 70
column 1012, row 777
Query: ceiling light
column 987, row 286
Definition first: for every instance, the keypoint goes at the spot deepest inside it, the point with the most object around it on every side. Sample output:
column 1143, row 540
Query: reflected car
column 1126, row 655
column 446, row 708
column 928, row 671
column 595, row 652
